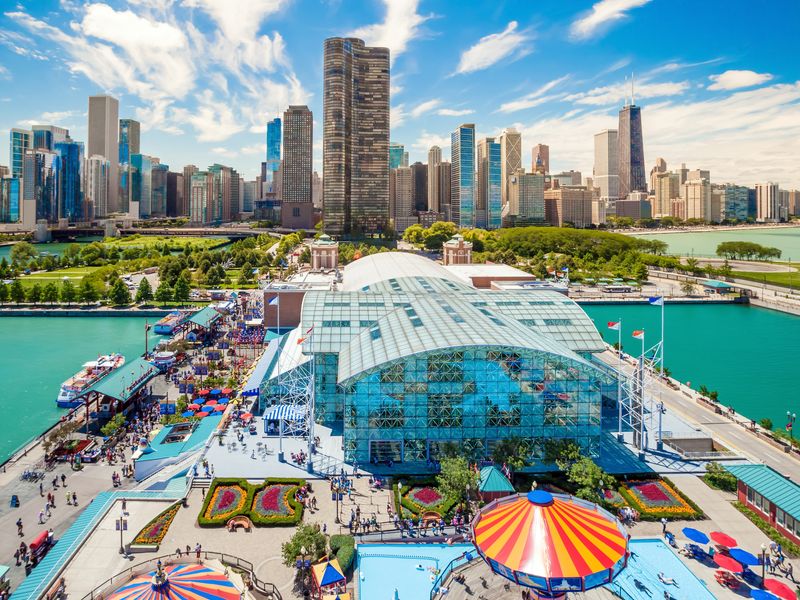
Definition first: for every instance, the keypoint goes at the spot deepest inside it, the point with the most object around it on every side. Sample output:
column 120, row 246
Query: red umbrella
column 211, row 402
column 193, row 406
column 226, row 391
column 203, row 392
column 723, row 539
column 220, row 407
column 726, row 562
column 245, row 416
column 780, row 589
column 200, row 415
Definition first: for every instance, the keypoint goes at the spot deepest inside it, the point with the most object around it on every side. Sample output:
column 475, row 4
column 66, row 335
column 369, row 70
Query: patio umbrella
column 193, row 406
column 208, row 408
column 744, row 557
column 726, row 562
column 223, row 401
column 245, row 416
column 780, row 589
column 762, row 595
column 220, row 407
column 215, row 392
column 723, row 539
column 202, row 393
column 211, row 402
column 695, row 535
column 200, row 414
column 226, row 391
column 188, row 413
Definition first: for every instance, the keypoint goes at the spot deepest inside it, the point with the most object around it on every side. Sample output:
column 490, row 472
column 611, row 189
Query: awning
column 327, row 573
column 283, row 412
column 263, row 366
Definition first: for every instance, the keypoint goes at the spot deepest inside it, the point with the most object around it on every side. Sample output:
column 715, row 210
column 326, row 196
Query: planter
column 142, row 548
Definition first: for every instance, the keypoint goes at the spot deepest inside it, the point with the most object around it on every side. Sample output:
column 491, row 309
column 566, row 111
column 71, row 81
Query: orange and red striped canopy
column 186, row 582
column 550, row 536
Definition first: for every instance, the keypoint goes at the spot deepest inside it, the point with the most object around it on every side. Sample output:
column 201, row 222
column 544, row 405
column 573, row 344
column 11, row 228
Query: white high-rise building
column 97, row 184
column 403, row 198
column 767, row 205
column 434, row 159
column 103, row 136
column 510, row 159
column 697, row 194
column 606, row 163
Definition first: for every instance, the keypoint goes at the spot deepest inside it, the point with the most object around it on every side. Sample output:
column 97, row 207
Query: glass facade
column 10, row 200
column 396, row 153
column 494, row 205
column 462, row 176
column 68, row 170
column 630, row 153
column 141, row 174
column 39, row 183
column 20, row 142
column 273, row 152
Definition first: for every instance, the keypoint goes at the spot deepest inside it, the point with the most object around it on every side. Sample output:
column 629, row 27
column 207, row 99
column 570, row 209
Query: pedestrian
column 74, row 499
column 197, row 549
column 790, row 571
column 663, row 525
column 63, row 480
column 19, row 528
column 178, row 552
column 325, row 530
column 47, row 509
column 55, row 482
column 16, row 557
column 768, row 562
column 69, row 501
column 41, row 518
column 41, row 489
column 188, row 549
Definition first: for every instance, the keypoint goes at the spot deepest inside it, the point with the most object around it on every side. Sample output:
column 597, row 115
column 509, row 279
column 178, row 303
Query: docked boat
column 90, row 373
column 168, row 324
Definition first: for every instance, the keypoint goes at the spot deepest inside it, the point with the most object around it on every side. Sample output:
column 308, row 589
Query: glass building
column 396, row 154
column 273, row 152
column 462, row 176
column 68, row 171
column 158, row 190
column 21, row 141
column 10, row 200
column 406, row 359
column 39, row 183
column 141, row 175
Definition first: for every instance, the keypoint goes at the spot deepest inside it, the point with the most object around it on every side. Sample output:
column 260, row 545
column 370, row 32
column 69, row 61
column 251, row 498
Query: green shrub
column 251, row 491
column 791, row 549
column 345, row 556
column 718, row 478
column 343, row 547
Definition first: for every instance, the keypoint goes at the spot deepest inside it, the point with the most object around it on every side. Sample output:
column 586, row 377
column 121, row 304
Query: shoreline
column 84, row 312
column 705, row 229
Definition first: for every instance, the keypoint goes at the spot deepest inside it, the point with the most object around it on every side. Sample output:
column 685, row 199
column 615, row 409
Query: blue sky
column 718, row 80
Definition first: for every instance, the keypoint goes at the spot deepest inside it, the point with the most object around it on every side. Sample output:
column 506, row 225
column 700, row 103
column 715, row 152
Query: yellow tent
column 327, row 573
column 344, row 596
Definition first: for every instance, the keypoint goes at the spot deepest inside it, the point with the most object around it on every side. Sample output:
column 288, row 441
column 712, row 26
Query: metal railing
column 458, row 561
column 113, row 582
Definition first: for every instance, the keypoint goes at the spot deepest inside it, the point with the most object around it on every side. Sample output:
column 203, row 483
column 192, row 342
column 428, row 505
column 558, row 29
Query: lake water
column 747, row 354
column 39, row 353
column 52, row 248
column 704, row 243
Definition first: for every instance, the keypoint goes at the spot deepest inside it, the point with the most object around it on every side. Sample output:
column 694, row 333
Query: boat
column 164, row 360
column 168, row 324
column 90, row 373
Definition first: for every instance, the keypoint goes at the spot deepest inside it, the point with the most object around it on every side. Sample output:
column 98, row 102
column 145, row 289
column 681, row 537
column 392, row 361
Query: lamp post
column 763, row 563
column 121, row 523
column 790, row 419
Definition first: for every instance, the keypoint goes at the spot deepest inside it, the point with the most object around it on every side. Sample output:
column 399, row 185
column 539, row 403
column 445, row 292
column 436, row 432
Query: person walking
column 63, row 480
column 663, row 525
column 74, row 499
column 19, row 528
column 790, row 572
column 41, row 518
column 69, row 499
column 41, row 489
column 197, row 550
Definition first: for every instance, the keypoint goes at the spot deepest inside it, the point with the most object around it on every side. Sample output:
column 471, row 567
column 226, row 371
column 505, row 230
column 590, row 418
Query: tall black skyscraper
column 631, row 151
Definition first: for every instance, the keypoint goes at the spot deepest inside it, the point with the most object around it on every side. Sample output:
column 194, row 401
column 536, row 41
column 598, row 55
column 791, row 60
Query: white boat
column 90, row 373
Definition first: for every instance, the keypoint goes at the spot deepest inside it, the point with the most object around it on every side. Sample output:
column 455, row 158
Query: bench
column 239, row 521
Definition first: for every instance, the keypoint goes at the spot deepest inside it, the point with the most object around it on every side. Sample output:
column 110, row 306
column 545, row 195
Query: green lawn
column 233, row 275
column 787, row 279
column 74, row 274
column 175, row 243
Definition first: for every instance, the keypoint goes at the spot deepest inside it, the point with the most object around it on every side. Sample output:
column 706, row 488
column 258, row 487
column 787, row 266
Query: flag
column 273, row 301
column 789, row 426
column 656, row 300
column 303, row 338
column 639, row 334
column 614, row 325
column 565, row 269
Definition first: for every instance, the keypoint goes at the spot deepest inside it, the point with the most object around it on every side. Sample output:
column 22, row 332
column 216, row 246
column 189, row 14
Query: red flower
column 653, row 492
column 227, row 499
column 427, row 496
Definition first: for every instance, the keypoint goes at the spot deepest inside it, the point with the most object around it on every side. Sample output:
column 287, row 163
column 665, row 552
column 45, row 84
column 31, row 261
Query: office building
column 419, row 182
column 660, row 167
column 489, row 206
column 630, row 153
column 38, row 186
column 401, row 184
column 45, row 137
column 694, row 174
column 666, row 189
column 297, row 208
column 462, row 176
column 140, row 172
column 767, row 208
column 158, row 190
column 398, row 157
column 203, row 196
column 10, row 199
column 540, row 159
column 794, row 202
column 717, row 204
column 103, row 140
column 567, row 178
column 249, row 196
column 568, row 205
column 96, row 189
column 355, row 158
column 525, row 204
column 734, row 202
column 636, row 206
column 21, row 140
column 697, row 194
column 129, row 137
column 188, row 171
column 175, row 197
column 443, row 175
column 68, row 172
column 316, row 190
column 510, row 159
column 605, row 174
column 273, row 158
column 225, row 205
column 434, row 159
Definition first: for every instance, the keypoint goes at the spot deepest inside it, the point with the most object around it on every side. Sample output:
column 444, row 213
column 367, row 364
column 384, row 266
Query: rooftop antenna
column 633, row 101
column 624, row 93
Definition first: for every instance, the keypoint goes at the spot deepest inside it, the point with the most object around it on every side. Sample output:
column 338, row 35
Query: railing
column 457, row 562
column 619, row 591
column 264, row 587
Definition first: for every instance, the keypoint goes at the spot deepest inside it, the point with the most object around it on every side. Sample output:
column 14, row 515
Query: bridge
column 230, row 232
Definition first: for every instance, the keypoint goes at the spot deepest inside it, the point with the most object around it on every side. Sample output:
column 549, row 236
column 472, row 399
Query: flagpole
column 663, row 364
column 619, row 380
column 280, row 387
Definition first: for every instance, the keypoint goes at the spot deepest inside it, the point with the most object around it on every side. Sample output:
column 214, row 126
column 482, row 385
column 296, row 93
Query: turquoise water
column 747, row 354
column 648, row 559
column 704, row 243
column 39, row 353
column 384, row 568
column 52, row 248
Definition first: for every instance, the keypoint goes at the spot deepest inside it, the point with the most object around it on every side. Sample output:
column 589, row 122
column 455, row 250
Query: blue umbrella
column 199, row 400
column 762, row 595
column 208, row 408
column 223, row 401
column 695, row 535
column 216, row 392
column 744, row 557
column 188, row 413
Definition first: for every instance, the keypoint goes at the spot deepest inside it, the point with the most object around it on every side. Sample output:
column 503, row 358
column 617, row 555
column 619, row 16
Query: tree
column 110, row 428
column 68, row 292
column 50, row 293
column 703, row 391
column 87, row 292
column 511, row 451
column 144, row 293
column 455, row 476
column 3, row 293
column 246, row 274
column 589, row 478
column 687, row 287
column 214, row 277
column 766, row 423
column 35, row 293
column 562, row 452
column 164, row 292
column 119, row 294
column 718, row 477
column 307, row 536
column 22, row 252
column 17, row 292
column 182, row 289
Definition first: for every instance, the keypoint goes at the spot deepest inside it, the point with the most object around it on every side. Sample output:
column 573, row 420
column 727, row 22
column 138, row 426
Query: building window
column 556, row 322
column 780, row 516
column 336, row 323
column 295, row 211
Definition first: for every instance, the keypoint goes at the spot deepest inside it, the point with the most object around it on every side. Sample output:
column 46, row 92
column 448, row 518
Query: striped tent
column 281, row 412
column 184, row 582
column 552, row 543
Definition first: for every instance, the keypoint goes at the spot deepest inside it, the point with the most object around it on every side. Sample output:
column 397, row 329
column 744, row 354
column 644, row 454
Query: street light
column 121, row 523
column 790, row 419
column 763, row 563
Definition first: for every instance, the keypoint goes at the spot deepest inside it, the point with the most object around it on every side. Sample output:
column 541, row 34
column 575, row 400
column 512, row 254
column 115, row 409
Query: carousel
column 178, row 582
column 551, row 543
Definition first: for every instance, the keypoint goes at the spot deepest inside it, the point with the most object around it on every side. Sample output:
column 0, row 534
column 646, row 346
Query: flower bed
column 269, row 503
column 153, row 533
column 655, row 499
column 421, row 498
column 613, row 498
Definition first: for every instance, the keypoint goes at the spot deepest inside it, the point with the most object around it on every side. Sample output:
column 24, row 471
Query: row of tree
column 747, row 251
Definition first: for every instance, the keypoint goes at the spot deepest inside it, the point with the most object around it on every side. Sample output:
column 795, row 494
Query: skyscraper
column 419, row 186
column 443, row 173
column 140, row 172
column 767, row 208
column 434, row 158
column 21, row 141
column 10, row 200
column 46, row 136
column 225, row 205
column 103, row 130
column 525, row 204
column 630, row 153
column 355, row 158
column 68, row 171
column 398, row 157
column 488, row 157
column 697, row 194
column 660, row 167
column 511, row 159
column 540, row 158
column 402, row 185
column 273, row 161
column 204, row 193
column 462, row 176
column 96, row 190
column 297, row 209
column 38, row 188
column 128, row 139
column 188, row 171
column 175, row 197
column 158, row 190
column 667, row 189
column 605, row 174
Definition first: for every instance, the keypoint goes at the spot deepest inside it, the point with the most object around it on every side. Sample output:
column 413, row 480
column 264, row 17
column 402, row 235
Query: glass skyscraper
column 273, row 152
column 141, row 173
column 21, row 141
column 10, row 200
column 630, row 153
column 39, row 183
column 158, row 190
column 45, row 137
column 68, row 169
column 128, row 139
column 396, row 155
column 462, row 176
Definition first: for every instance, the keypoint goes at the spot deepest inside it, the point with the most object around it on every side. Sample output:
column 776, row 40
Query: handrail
column 117, row 579
column 448, row 569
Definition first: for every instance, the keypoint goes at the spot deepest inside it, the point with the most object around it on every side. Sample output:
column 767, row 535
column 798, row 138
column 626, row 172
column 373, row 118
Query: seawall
column 84, row 312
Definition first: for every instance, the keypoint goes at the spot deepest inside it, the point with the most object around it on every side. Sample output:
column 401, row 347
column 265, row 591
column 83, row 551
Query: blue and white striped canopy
column 283, row 411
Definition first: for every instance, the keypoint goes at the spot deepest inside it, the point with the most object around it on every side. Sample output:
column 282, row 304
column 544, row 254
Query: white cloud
column 450, row 112
column 601, row 16
column 401, row 25
column 734, row 79
column 425, row 107
column 4, row 73
column 254, row 149
column 535, row 98
column 616, row 93
column 425, row 140
column 222, row 151
column 59, row 115
column 493, row 48
column 212, row 119
column 397, row 115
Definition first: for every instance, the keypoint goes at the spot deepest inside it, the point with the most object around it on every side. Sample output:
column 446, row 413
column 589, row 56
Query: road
column 730, row 433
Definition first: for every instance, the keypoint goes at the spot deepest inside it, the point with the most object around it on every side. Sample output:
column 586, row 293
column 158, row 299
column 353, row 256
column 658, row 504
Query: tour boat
column 168, row 324
column 90, row 373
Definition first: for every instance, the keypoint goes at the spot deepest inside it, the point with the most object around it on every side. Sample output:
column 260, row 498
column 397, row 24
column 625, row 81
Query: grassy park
column 788, row 279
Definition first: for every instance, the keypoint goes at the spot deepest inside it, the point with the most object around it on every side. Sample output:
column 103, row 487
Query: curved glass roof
column 376, row 272
column 432, row 323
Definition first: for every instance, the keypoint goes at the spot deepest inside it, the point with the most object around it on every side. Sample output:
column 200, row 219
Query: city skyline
column 556, row 73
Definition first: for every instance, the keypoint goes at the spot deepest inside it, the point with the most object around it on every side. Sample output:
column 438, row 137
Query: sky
column 718, row 80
